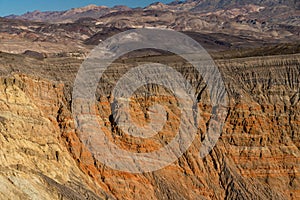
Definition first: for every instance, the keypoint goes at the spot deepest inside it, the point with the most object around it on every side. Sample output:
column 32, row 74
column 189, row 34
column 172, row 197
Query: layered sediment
column 256, row 157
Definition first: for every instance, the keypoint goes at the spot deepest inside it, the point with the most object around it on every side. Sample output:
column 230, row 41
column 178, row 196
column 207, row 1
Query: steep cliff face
column 256, row 157
column 263, row 126
column 35, row 162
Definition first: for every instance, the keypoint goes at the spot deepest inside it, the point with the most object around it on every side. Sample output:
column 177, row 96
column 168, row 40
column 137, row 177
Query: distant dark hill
column 94, row 11
column 204, row 5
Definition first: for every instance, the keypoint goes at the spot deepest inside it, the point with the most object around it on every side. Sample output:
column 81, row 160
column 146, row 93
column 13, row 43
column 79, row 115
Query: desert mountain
column 256, row 157
column 204, row 5
column 217, row 25
column 255, row 45
column 71, row 15
column 196, row 6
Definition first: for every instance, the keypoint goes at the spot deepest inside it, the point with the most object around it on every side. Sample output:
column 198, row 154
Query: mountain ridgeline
column 256, row 47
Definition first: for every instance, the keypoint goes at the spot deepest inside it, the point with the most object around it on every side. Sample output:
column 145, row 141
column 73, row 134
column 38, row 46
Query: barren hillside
column 255, row 46
column 257, row 156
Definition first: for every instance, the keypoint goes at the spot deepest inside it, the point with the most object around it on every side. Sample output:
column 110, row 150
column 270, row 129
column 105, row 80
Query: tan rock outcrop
column 256, row 157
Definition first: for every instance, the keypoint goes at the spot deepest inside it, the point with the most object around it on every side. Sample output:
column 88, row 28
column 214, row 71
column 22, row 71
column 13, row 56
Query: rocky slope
column 262, row 22
column 71, row 15
column 257, row 156
column 256, row 47
column 197, row 6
